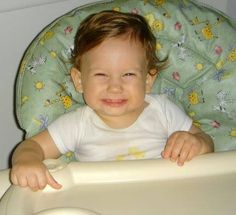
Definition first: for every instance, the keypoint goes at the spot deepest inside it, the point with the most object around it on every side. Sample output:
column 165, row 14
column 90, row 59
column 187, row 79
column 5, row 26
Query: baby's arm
column 27, row 162
column 182, row 146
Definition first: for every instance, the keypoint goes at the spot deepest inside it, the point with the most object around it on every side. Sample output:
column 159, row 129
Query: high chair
column 200, row 78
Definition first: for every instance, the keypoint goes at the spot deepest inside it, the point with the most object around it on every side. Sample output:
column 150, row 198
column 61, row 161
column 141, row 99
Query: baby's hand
column 182, row 146
column 32, row 174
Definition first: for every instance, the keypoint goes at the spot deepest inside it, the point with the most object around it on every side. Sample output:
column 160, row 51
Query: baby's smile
column 114, row 102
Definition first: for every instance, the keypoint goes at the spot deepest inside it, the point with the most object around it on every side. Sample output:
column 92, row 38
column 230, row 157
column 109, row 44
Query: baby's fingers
column 13, row 178
column 169, row 147
column 52, row 182
column 33, row 182
column 18, row 180
column 191, row 154
column 42, row 182
column 184, row 154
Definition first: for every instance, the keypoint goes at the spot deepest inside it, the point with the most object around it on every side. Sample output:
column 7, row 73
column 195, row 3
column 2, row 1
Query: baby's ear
column 76, row 78
column 150, row 79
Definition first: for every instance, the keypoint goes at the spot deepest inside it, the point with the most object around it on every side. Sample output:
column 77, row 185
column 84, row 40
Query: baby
column 114, row 67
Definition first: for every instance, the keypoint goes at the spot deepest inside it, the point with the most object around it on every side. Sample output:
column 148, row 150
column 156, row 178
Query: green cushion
column 200, row 78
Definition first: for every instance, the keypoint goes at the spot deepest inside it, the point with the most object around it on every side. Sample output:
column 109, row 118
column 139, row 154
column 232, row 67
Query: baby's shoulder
column 157, row 99
column 75, row 114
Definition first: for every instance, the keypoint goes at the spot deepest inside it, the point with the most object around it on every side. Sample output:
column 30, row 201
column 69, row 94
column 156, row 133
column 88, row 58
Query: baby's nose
column 115, row 85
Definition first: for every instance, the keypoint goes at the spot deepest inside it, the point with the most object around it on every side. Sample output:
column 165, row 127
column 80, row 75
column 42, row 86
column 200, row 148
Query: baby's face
column 114, row 80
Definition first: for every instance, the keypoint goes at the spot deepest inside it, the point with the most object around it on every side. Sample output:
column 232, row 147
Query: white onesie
column 83, row 132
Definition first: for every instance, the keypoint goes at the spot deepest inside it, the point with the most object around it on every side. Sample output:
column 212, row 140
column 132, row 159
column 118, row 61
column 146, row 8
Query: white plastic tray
column 204, row 186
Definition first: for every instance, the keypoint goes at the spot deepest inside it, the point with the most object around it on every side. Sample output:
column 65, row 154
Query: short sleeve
column 65, row 131
column 177, row 119
column 172, row 117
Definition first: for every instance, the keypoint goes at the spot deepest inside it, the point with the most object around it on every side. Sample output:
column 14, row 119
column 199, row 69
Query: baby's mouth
column 114, row 102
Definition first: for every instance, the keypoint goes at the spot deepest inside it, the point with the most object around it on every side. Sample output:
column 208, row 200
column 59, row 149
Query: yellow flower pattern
column 155, row 24
column 133, row 152
column 67, row 101
column 47, row 36
column 193, row 98
column 232, row 55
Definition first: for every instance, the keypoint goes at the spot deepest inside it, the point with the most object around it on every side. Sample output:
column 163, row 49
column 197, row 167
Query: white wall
column 20, row 21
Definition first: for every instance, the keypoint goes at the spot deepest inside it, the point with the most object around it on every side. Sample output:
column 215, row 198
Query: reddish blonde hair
column 98, row 27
